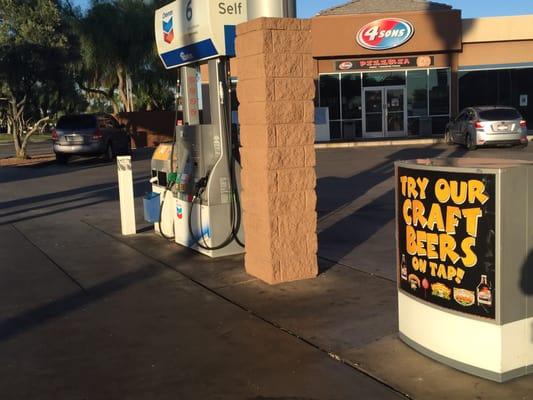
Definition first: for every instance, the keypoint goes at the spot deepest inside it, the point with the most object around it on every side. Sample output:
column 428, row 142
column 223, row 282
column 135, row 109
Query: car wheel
column 448, row 137
column 62, row 158
column 523, row 145
column 470, row 142
column 109, row 153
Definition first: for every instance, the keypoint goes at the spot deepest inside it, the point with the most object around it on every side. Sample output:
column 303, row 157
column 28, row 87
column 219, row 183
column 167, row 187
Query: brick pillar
column 276, row 91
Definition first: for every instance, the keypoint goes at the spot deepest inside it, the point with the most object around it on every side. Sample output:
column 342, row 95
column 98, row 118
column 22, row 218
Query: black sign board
column 385, row 63
column 446, row 239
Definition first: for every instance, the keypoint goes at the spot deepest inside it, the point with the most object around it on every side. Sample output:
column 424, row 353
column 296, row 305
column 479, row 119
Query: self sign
column 231, row 9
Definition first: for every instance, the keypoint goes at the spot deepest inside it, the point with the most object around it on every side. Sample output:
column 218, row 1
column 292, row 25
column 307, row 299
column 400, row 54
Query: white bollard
column 125, row 189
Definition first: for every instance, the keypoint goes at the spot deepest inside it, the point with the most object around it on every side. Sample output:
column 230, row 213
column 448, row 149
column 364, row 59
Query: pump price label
column 446, row 239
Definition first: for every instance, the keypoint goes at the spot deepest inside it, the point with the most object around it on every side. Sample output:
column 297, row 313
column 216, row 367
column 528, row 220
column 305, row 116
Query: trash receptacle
column 464, row 256
column 152, row 207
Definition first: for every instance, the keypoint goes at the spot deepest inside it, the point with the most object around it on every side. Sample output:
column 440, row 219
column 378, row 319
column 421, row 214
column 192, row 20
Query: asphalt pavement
column 89, row 314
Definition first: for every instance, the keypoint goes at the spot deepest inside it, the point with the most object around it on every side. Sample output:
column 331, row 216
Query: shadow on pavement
column 355, row 228
column 66, row 200
column 31, row 319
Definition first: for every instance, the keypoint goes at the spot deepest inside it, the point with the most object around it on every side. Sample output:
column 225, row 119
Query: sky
column 470, row 8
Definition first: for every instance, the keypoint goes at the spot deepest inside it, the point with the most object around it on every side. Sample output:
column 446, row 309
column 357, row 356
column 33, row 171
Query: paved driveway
column 86, row 313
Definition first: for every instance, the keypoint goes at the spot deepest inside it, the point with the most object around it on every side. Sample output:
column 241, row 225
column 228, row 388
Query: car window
column 500, row 114
column 76, row 122
column 104, row 122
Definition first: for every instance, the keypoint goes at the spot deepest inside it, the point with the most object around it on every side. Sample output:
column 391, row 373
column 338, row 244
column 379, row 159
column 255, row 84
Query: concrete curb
column 388, row 142
column 377, row 143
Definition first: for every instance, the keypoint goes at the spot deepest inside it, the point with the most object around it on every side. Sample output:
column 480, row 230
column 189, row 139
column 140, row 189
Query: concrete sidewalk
column 87, row 313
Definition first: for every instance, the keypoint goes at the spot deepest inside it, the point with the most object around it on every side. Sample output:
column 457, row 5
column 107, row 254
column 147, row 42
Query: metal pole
column 271, row 8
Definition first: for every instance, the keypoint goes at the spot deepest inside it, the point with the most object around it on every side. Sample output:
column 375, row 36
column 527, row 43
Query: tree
column 116, row 40
column 34, row 60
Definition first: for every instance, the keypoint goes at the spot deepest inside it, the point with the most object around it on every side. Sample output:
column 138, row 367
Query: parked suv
column 89, row 135
column 490, row 125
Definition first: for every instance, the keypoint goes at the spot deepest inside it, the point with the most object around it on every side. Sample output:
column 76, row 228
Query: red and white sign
column 384, row 34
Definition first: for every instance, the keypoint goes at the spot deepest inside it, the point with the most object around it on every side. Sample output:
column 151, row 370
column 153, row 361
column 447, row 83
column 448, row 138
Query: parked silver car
column 89, row 135
column 489, row 125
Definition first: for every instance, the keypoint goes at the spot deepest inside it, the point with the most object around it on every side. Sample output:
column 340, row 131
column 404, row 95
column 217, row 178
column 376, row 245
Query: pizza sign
column 384, row 34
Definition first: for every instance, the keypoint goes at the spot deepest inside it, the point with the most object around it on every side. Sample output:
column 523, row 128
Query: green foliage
column 54, row 59
column 117, row 44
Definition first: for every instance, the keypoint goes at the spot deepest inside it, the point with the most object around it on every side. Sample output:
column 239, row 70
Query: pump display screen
column 446, row 239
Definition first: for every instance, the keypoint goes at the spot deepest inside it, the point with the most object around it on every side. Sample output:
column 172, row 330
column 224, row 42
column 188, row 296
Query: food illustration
column 441, row 290
column 414, row 281
column 423, row 61
column 464, row 297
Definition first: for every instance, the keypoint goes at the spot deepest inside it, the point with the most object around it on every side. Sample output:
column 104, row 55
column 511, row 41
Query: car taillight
column 55, row 136
column 478, row 125
column 97, row 135
column 523, row 124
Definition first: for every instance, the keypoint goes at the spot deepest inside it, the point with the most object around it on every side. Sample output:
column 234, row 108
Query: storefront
column 404, row 68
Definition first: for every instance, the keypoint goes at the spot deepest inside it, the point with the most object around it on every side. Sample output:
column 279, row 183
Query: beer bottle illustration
column 484, row 292
column 403, row 268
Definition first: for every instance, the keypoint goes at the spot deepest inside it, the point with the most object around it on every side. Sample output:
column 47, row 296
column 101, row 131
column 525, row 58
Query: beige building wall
column 498, row 29
column 497, row 41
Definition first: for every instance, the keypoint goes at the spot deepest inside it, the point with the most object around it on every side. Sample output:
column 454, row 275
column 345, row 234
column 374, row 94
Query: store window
column 417, row 100
column 394, row 78
column 352, row 124
column 351, row 96
column 504, row 87
column 417, row 93
column 427, row 91
column 330, row 95
column 439, row 92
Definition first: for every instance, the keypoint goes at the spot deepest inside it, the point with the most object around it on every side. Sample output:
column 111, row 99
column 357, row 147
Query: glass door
column 373, row 112
column 395, row 110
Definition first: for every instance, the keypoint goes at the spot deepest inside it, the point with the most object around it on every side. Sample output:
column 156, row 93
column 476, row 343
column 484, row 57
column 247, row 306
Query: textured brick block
column 254, row 90
column 265, row 23
column 298, row 222
column 286, row 112
column 294, row 89
column 253, row 136
column 286, row 157
column 258, row 113
column 310, row 200
column 252, row 43
column 291, row 42
column 296, row 179
column 285, row 65
column 304, row 267
column 261, row 268
column 254, row 158
column 259, row 179
column 252, row 67
column 309, row 67
column 305, row 24
column 310, row 156
column 295, row 134
column 276, row 88
column 287, row 203
column 309, row 112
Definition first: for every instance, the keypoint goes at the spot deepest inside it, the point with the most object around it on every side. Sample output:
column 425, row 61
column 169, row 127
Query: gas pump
column 197, row 176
